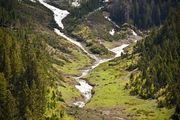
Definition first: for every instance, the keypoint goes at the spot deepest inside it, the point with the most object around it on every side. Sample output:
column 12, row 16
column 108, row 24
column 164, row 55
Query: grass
column 69, row 93
column 86, row 34
column 94, row 32
column 109, row 90
column 110, row 80
column 55, row 106
column 66, row 63
column 78, row 60
column 100, row 27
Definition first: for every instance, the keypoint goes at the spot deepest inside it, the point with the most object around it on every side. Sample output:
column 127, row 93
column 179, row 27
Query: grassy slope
column 110, row 79
column 100, row 26
column 73, row 67
column 94, row 32
column 93, row 29
column 62, row 57
column 109, row 91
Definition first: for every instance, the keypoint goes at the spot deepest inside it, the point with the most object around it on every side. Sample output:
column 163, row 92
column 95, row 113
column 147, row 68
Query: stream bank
column 83, row 86
column 110, row 93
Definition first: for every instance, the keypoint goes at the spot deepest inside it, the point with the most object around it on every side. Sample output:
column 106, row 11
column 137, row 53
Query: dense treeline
column 79, row 12
column 86, row 7
column 27, row 78
column 7, row 12
column 141, row 13
column 160, row 65
column 22, row 77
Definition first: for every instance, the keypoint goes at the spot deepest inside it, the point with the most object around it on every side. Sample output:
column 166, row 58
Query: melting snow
column 106, row 17
column 59, row 14
column 75, row 3
column 134, row 33
column 112, row 32
column 33, row 1
column 119, row 50
column 83, row 86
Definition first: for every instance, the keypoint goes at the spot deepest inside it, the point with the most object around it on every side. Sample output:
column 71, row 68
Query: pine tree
column 3, row 94
column 11, row 107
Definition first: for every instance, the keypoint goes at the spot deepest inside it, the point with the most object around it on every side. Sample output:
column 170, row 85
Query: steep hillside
column 22, row 79
column 158, row 75
column 89, row 61
column 91, row 26
column 35, row 64
column 141, row 13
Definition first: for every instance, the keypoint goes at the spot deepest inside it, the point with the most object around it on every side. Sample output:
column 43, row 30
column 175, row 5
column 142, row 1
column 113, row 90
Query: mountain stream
column 83, row 86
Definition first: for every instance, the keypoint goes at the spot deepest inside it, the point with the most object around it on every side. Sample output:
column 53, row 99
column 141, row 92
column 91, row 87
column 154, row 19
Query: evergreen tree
column 159, row 64
column 3, row 95
column 142, row 13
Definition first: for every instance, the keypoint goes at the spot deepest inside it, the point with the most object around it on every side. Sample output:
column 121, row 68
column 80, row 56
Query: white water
column 83, row 86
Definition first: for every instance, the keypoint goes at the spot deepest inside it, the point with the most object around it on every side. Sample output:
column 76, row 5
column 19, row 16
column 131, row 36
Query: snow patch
column 111, row 32
column 75, row 42
column 134, row 33
column 76, row 3
column 106, row 17
column 119, row 50
column 33, row 1
column 106, row 0
column 59, row 14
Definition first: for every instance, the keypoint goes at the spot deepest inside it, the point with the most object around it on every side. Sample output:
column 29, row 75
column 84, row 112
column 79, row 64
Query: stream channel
column 83, row 86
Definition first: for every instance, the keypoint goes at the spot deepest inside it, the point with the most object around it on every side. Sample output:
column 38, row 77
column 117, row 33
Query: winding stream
column 83, row 86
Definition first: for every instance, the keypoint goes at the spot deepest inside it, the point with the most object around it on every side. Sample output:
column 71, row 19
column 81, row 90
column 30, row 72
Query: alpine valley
column 89, row 60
